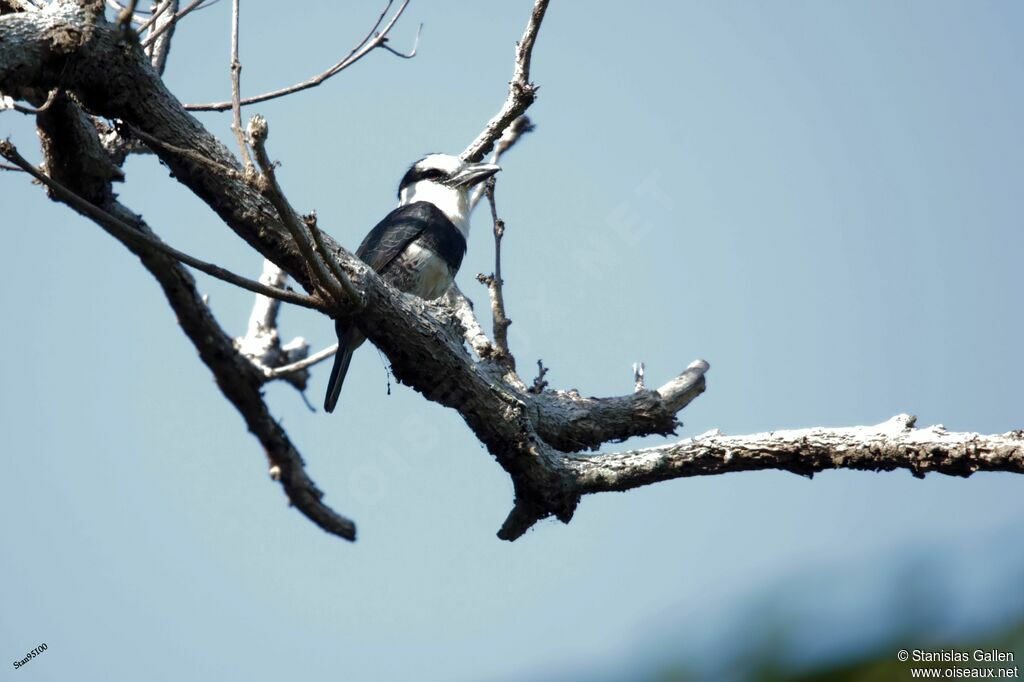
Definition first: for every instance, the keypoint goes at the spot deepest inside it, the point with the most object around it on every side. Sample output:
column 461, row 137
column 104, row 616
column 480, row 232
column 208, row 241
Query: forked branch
column 372, row 41
column 521, row 92
column 536, row 434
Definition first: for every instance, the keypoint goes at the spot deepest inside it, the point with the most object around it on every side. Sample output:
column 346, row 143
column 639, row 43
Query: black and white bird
column 419, row 246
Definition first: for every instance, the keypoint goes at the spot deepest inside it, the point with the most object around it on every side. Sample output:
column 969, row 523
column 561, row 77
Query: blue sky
column 821, row 199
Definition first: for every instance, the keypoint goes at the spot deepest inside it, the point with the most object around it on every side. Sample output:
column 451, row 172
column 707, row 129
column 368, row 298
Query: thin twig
column 638, row 377
column 189, row 153
column 372, row 41
column 521, row 92
column 521, row 126
column 123, row 230
column 268, row 186
column 404, row 55
column 306, row 363
column 178, row 16
column 494, row 286
column 156, row 15
column 318, row 242
column 36, row 110
column 539, row 383
column 236, row 88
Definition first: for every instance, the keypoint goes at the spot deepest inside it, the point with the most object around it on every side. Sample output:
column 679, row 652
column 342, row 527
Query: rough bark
column 535, row 434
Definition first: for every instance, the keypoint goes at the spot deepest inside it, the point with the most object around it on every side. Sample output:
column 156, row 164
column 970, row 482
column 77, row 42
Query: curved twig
column 415, row 46
column 21, row 108
column 306, row 363
column 369, row 43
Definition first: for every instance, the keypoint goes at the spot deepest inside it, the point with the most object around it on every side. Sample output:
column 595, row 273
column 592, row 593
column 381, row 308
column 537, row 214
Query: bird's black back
column 419, row 220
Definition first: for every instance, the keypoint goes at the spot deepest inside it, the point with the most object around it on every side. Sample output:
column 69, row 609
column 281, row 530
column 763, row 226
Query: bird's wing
column 397, row 230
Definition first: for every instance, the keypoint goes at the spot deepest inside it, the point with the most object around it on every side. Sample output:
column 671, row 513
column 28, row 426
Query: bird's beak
column 473, row 174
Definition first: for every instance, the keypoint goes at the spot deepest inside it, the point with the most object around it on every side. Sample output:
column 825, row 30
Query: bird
column 419, row 246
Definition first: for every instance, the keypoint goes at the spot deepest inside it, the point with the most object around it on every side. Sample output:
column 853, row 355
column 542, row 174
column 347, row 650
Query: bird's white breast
column 432, row 276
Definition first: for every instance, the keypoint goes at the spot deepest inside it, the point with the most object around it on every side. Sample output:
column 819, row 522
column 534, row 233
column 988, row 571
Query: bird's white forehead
column 445, row 162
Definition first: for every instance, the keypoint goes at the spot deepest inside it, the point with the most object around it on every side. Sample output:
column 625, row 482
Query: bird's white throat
column 454, row 203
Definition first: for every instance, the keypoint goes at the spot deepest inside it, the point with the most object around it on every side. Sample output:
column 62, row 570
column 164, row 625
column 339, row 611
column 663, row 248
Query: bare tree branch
column 171, row 23
column 155, row 143
column 521, row 92
column 124, row 232
column 303, row 364
column 534, row 435
column 21, row 108
column 262, row 342
column 161, row 31
column 236, row 88
column 158, row 10
column 405, row 55
column 891, row 445
column 571, row 422
column 455, row 299
column 237, row 378
column 372, row 41
column 638, row 376
column 519, row 127
column 338, row 289
column 539, row 382
column 10, row 6
column 324, row 255
column 462, row 308
column 494, row 284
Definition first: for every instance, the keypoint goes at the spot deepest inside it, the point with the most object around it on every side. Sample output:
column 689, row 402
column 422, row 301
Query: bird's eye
column 415, row 175
column 432, row 174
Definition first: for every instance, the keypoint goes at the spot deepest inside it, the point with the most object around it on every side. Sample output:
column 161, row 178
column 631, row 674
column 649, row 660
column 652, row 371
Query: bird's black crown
column 417, row 173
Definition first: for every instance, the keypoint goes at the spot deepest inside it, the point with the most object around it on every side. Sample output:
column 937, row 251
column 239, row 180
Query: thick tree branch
column 462, row 308
column 11, row 6
column 113, row 78
column 262, row 342
column 238, row 379
column 533, row 435
column 573, row 423
column 891, row 445
column 161, row 30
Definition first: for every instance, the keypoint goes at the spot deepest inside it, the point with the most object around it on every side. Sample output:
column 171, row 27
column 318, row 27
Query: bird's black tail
column 341, row 362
